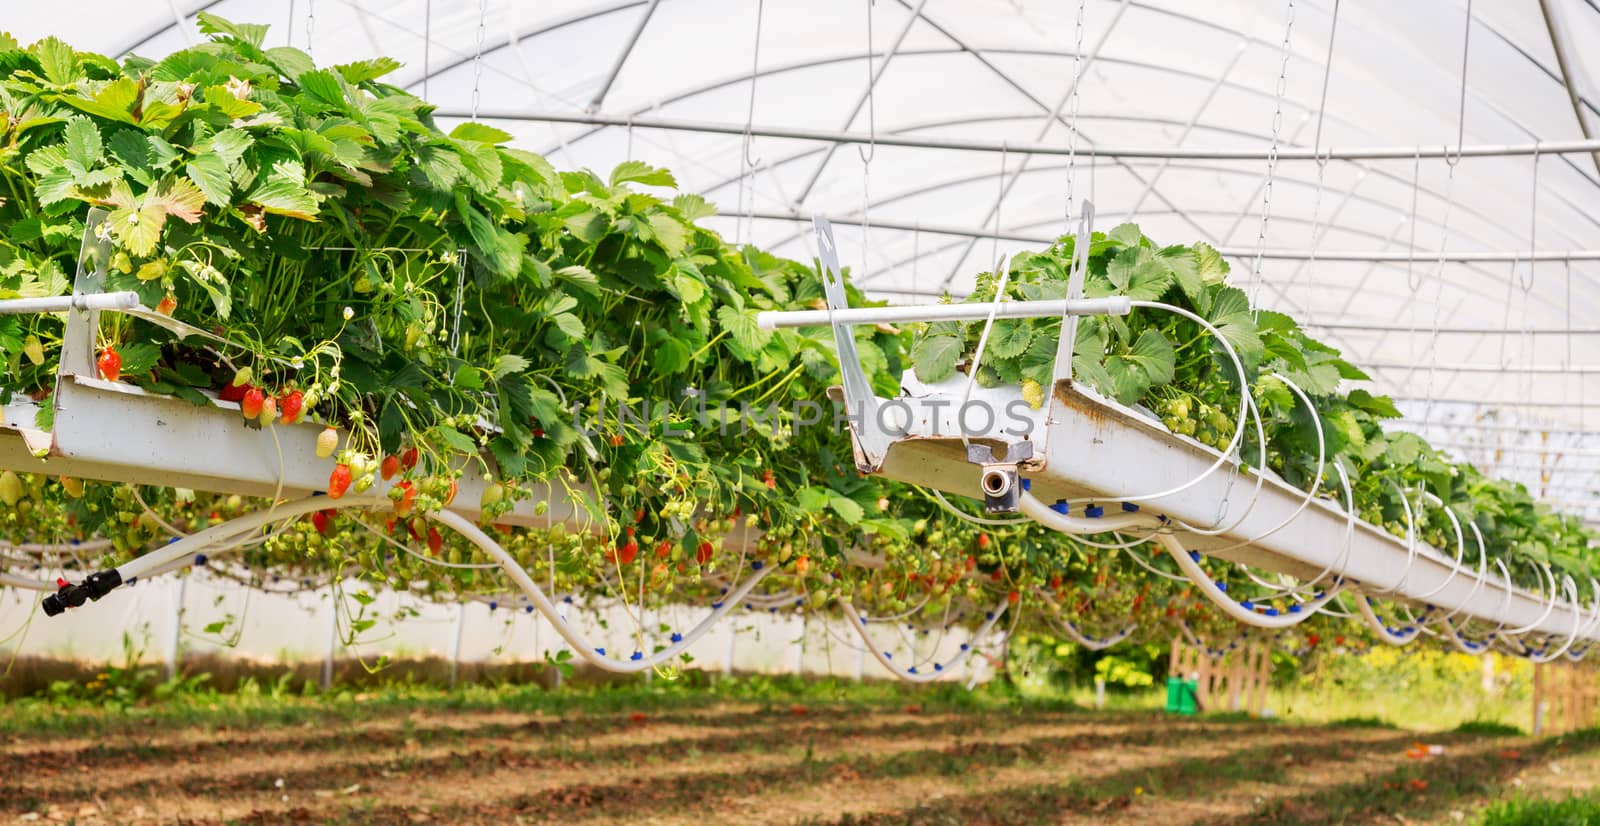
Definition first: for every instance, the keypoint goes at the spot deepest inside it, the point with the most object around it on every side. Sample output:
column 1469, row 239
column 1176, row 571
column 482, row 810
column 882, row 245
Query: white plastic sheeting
column 1492, row 339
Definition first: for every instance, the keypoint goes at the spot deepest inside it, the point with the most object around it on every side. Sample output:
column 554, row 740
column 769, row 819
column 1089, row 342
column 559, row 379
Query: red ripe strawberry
column 1313, row 639
column 1013, row 597
column 997, row 575
column 972, row 562
column 1055, row 581
column 110, row 364
column 232, row 392
column 983, row 540
column 320, row 520
column 291, row 406
column 408, row 497
column 624, row 554
column 251, row 404
column 169, row 302
column 338, row 481
column 408, row 459
column 389, row 467
column 768, row 480
column 802, row 565
column 638, row 515
column 616, row 440
column 435, row 541
column 702, row 554
column 664, row 549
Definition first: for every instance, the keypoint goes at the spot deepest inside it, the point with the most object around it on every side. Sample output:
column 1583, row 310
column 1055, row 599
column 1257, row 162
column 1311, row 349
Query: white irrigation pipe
column 1577, row 625
column 1239, row 425
column 1411, row 542
column 1072, row 631
column 1381, row 629
column 1218, row 595
column 1461, row 544
column 1322, row 460
column 1093, row 643
column 1549, row 609
column 938, row 498
column 1044, row 515
column 1194, row 640
column 472, row 533
column 1151, row 568
column 175, row 554
column 914, row 674
column 1483, row 570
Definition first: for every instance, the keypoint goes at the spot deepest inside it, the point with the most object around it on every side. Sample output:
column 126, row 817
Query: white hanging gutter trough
column 1083, row 448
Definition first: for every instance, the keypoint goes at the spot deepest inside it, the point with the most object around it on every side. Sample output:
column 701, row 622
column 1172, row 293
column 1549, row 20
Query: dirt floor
column 750, row 764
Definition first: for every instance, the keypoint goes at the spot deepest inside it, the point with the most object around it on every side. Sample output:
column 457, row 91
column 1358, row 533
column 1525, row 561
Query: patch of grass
column 1488, row 728
column 254, row 704
column 1574, row 811
column 1362, row 722
column 1235, row 717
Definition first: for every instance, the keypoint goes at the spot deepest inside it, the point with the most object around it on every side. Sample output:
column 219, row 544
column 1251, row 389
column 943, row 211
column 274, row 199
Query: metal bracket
column 861, row 405
column 1000, row 483
column 1075, row 277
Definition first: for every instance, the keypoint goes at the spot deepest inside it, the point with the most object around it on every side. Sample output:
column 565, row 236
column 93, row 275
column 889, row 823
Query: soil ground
column 747, row 763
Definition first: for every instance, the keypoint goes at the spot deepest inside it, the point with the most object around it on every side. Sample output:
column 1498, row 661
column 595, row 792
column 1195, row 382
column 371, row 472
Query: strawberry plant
column 440, row 299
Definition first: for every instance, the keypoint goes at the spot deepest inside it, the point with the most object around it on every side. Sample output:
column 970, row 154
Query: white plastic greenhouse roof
column 1498, row 344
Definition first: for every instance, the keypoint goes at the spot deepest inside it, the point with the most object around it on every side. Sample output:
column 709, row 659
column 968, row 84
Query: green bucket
column 1174, row 693
column 1189, row 697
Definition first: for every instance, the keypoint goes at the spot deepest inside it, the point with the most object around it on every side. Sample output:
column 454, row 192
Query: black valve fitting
column 93, row 587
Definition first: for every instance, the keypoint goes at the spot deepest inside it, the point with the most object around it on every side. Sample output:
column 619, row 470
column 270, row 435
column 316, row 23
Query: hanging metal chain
column 1072, row 122
column 477, row 57
column 311, row 26
column 1272, row 156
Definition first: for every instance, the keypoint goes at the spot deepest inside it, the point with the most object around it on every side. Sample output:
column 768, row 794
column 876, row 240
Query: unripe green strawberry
column 327, row 440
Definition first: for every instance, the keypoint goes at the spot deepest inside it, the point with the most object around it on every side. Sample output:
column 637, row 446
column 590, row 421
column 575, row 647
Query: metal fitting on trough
column 999, row 481
column 95, row 586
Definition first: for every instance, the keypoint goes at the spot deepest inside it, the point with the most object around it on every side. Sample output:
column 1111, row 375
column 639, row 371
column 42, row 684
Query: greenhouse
column 833, row 412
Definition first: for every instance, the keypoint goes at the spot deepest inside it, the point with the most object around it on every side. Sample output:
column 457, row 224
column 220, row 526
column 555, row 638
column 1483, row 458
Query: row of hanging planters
column 1179, row 372
column 444, row 297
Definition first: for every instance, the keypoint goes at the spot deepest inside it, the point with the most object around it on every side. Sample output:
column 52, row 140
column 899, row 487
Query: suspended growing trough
column 1084, row 464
